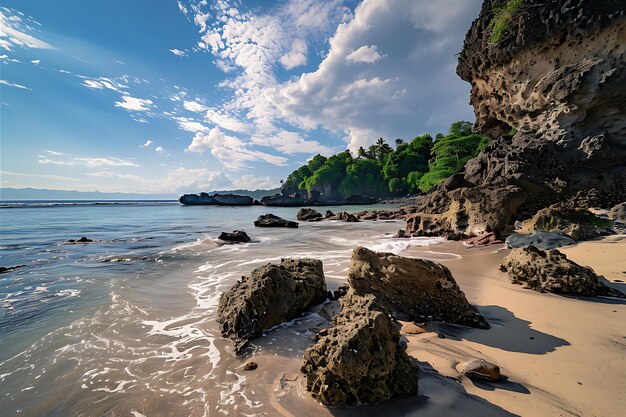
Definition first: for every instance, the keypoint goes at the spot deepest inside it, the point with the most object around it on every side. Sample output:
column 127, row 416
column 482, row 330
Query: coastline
column 559, row 355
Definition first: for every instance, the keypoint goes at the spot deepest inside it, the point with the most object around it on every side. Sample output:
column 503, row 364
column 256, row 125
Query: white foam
column 399, row 245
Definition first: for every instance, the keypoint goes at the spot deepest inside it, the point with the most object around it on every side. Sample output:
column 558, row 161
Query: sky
column 171, row 96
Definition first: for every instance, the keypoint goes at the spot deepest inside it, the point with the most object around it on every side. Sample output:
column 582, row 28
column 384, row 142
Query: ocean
column 125, row 325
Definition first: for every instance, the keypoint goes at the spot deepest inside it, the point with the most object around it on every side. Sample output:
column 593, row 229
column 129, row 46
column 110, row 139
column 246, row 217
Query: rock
column 344, row 216
column 237, row 236
column 256, row 203
column 411, row 289
column 480, row 369
column 484, row 239
column 250, row 366
column 551, row 271
column 270, row 220
column 4, row 269
column 309, row 214
column 556, row 76
column 271, row 295
column 361, row 359
column 329, row 214
column 541, row 240
column 216, row 199
column 618, row 213
column 81, row 240
column 359, row 200
column 577, row 223
column 412, row 328
column 291, row 200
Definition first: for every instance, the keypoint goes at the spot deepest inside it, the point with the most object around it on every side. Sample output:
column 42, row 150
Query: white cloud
column 115, row 84
column 36, row 61
column 229, row 150
column 10, row 84
column 85, row 161
column 368, row 54
column 134, row 104
column 190, row 125
column 54, row 153
column 297, row 56
column 291, row 143
column 194, row 106
column 159, row 149
column 148, row 143
column 12, row 32
column 178, row 52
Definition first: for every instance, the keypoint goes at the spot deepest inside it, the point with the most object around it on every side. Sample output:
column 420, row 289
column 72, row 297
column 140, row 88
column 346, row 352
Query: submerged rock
column 4, row 269
column 81, row 240
column 237, row 236
column 309, row 215
column 271, row 295
column 480, row 369
column 551, row 271
column 541, row 240
column 577, row 223
column 361, row 360
column 270, row 220
column 411, row 289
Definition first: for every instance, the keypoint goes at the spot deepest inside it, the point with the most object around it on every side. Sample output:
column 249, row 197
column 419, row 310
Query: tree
column 364, row 176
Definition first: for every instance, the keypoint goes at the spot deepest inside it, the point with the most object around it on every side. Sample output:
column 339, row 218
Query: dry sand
column 560, row 356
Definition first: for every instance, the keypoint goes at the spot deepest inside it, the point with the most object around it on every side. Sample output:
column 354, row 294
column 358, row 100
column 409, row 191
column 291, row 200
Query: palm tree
column 361, row 152
column 382, row 148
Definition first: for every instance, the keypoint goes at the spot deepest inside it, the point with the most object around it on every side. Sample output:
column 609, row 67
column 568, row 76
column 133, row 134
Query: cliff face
column 555, row 71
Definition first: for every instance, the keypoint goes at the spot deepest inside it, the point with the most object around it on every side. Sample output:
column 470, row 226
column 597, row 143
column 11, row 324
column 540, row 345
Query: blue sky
column 183, row 96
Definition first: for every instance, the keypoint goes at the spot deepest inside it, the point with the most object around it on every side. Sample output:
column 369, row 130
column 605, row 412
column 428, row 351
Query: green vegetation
column 500, row 24
column 380, row 170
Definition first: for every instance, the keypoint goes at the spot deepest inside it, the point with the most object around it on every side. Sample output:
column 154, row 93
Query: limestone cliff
column 555, row 71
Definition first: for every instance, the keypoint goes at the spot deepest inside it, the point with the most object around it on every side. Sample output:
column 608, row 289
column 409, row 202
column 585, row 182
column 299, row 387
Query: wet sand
column 559, row 356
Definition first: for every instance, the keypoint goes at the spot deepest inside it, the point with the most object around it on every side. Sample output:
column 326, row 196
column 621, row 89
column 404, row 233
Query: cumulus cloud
column 148, row 143
column 134, row 104
column 159, row 149
column 190, row 125
column 291, row 143
column 368, row 54
column 297, row 56
column 194, row 106
column 229, row 150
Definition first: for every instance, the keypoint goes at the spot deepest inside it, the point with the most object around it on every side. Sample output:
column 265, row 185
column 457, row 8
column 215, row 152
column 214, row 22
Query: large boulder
column 541, row 240
column 577, row 223
column 309, row 215
column 411, row 289
column 237, row 236
column 270, row 220
column 270, row 295
column 551, row 271
column 361, row 359
column 344, row 216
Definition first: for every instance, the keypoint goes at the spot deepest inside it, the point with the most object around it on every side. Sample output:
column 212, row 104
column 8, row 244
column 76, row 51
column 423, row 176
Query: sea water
column 125, row 325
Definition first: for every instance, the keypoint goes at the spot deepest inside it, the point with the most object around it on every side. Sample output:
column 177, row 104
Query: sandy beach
column 559, row 356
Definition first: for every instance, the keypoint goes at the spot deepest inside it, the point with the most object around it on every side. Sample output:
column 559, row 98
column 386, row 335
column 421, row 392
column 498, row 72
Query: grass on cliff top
column 501, row 22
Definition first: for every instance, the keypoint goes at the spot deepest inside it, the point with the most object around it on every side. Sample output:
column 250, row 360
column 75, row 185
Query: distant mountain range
column 45, row 194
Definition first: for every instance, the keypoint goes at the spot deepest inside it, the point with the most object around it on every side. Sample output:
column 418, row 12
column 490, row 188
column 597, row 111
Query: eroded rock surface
column 344, row 216
column 271, row 220
column 618, row 213
column 480, row 369
column 270, row 295
column 237, row 236
column 360, row 360
column 551, row 271
column 577, row 223
column 557, row 76
column 541, row 240
column 411, row 289
column 309, row 215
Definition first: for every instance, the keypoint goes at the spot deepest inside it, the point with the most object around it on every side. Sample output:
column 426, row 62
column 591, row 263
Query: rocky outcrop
column 361, row 359
column 344, row 216
column 480, row 369
column 551, row 271
column 280, row 200
column 553, row 71
column 541, row 240
column 271, row 295
column 411, row 289
column 382, row 214
column 577, row 223
column 237, row 236
column 618, row 213
column 270, row 220
column 204, row 199
column 309, row 215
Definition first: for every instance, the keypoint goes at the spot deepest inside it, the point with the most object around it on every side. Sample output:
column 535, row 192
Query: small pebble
column 250, row 366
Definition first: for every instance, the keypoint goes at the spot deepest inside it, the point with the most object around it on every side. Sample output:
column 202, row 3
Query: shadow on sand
column 507, row 332
column 438, row 396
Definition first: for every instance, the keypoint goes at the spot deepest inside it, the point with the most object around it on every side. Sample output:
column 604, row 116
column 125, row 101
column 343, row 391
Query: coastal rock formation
column 270, row 220
column 618, row 213
column 204, row 199
column 551, row 271
column 411, row 289
column 309, row 215
column 281, row 200
column 578, row 223
column 549, row 85
column 237, row 236
column 359, row 200
column 344, row 216
column 271, row 295
column 540, row 240
column 480, row 369
column 382, row 214
column 360, row 360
